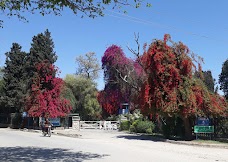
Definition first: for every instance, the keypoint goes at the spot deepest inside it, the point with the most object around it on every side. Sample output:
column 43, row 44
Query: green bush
column 133, row 125
column 140, row 126
column 16, row 120
column 125, row 125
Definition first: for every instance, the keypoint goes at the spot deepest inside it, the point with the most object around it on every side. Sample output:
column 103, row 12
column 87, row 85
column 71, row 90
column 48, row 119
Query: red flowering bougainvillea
column 44, row 99
column 163, row 82
column 170, row 88
column 122, row 77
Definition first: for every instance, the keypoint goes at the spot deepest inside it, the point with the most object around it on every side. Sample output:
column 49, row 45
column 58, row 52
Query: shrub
column 140, row 126
column 16, row 120
column 144, row 127
column 125, row 125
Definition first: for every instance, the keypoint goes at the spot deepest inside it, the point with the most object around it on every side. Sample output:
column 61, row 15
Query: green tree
column 88, row 66
column 1, row 73
column 223, row 79
column 90, row 8
column 42, row 49
column 207, row 78
column 67, row 93
column 1, row 82
column 14, row 79
column 85, row 93
column 2, row 105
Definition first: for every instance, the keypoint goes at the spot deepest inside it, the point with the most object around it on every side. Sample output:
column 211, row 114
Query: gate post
column 76, row 122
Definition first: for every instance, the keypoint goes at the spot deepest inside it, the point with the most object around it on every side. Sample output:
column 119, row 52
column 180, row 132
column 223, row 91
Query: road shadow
column 30, row 154
column 142, row 137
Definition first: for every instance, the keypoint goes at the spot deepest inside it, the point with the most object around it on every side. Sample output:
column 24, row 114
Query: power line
column 146, row 22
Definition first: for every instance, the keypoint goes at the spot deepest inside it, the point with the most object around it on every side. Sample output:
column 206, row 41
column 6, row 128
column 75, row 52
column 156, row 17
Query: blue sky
column 201, row 25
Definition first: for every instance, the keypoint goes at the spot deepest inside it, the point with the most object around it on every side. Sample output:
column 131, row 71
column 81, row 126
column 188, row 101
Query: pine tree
column 223, row 79
column 42, row 49
column 14, row 79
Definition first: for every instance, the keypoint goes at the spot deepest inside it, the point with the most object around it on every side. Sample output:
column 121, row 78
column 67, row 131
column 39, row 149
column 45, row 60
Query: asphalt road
column 19, row 146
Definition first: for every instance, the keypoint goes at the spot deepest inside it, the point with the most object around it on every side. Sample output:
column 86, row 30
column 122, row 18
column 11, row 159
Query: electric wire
column 147, row 22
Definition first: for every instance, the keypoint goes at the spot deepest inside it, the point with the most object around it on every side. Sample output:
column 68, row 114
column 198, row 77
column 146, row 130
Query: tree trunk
column 187, row 128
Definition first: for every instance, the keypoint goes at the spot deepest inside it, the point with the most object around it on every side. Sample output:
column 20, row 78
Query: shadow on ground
column 44, row 154
column 142, row 137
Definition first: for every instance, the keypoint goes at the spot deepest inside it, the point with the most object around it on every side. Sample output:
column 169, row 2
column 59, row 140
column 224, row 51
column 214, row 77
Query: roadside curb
column 68, row 135
column 53, row 132
column 189, row 143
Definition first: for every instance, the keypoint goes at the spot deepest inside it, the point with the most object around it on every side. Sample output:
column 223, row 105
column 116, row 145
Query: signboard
column 203, row 121
column 203, row 129
column 55, row 121
column 24, row 114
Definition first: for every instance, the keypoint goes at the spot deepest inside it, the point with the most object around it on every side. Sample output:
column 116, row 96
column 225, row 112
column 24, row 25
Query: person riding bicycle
column 47, row 123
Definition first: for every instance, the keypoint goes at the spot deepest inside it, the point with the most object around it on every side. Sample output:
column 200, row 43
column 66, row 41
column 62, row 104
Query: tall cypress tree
column 42, row 49
column 14, row 79
column 223, row 79
column 2, row 105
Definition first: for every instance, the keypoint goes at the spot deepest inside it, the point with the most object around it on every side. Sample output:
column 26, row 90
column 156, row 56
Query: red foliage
column 170, row 88
column 120, row 74
column 44, row 99
column 109, row 100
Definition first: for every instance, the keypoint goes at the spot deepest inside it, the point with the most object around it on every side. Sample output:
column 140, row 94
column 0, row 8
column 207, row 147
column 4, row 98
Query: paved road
column 108, row 147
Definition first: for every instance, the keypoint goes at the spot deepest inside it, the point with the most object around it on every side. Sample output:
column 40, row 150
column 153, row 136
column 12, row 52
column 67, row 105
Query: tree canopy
column 89, row 8
column 88, row 66
column 223, row 79
column 45, row 97
column 42, row 49
column 29, row 81
column 14, row 78
column 164, row 80
column 123, row 78
column 171, row 88
column 85, row 92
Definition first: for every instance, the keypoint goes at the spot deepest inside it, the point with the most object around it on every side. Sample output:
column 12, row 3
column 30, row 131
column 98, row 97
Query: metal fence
column 105, row 125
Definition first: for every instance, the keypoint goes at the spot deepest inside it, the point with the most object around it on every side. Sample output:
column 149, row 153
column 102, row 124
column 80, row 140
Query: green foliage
column 140, row 126
column 14, row 79
column 1, row 73
column 207, row 79
column 68, row 94
column 113, row 118
column 124, row 125
column 2, row 101
column 134, row 125
column 223, row 79
column 16, row 120
column 92, row 108
column 85, row 92
column 221, row 127
column 42, row 48
column 173, row 126
column 89, row 8
column 1, row 82
column 135, row 115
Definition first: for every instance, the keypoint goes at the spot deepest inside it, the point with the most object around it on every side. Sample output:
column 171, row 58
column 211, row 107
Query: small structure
column 124, row 108
column 72, row 120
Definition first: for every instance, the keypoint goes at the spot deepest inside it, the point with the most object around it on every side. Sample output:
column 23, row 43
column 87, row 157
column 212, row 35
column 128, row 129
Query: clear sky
column 200, row 24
